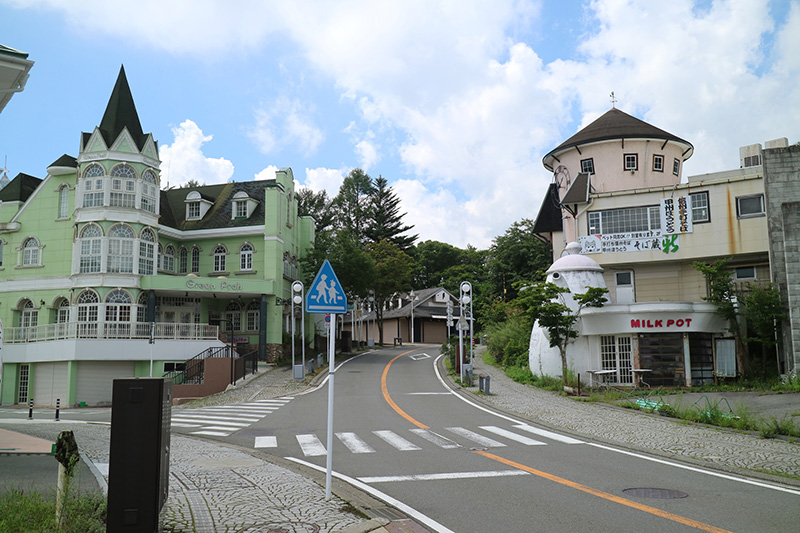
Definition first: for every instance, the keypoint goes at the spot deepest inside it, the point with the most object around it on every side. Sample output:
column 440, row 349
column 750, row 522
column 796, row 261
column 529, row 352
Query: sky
column 453, row 102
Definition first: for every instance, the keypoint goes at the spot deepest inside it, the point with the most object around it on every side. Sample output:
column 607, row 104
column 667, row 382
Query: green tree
column 351, row 207
column 386, row 221
column 432, row 259
column 393, row 269
column 752, row 318
column 515, row 256
column 317, row 205
column 545, row 302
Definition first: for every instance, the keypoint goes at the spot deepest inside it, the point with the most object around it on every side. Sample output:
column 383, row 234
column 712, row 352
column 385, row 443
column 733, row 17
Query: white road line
column 423, row 519
column 266, row 442
column 221, row 428
column 212, row 433
column 238, row 408
column 263, row 405
column 428, row 393
column 238, row 412
column 231, row 418
column 437, row 477
column 354, row 443
column 396, row 440
column 513, row 436
column 548, row 434
column 217, row 422
column 182, row 425
column 476, row 437
column 439, row 440
column 311, row 445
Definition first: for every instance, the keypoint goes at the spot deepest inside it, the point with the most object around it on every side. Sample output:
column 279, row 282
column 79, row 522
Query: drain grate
column 660, row 494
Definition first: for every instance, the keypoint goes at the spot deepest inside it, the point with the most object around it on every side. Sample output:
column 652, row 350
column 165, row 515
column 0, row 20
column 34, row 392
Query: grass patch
column 30, row 511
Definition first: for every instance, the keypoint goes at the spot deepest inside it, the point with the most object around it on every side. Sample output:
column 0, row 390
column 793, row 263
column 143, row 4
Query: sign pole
column 331, row 369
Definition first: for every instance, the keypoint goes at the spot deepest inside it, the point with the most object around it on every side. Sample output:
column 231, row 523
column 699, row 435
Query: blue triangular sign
column 326, row 295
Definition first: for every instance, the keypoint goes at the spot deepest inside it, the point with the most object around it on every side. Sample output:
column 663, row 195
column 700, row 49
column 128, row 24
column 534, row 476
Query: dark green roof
column 7, row 50
column 65, row 161
column 173, row 206
column 121, row 113
column 20, row 188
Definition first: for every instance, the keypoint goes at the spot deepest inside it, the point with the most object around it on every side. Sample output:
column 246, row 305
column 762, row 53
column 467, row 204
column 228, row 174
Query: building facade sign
column 676, row 215
column 640, row 241
column 667, row 317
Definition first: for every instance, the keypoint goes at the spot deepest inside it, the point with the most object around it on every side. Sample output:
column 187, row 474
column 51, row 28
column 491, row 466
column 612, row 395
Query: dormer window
column 196, row 206
column 242, row 205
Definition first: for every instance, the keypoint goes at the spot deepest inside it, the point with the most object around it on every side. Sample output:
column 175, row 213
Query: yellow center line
column 388, row 398
column 607, row 496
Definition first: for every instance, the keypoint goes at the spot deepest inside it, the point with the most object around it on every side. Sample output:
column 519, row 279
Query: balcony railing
column 110, row 330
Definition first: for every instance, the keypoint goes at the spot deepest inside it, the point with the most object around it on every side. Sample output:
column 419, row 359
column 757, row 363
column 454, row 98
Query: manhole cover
column 661, row 494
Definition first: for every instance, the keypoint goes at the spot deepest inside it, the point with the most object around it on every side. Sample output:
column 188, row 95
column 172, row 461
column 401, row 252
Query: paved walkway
column 214, row 487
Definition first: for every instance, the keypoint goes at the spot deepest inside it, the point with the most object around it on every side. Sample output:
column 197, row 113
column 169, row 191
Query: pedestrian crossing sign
column 326, row 294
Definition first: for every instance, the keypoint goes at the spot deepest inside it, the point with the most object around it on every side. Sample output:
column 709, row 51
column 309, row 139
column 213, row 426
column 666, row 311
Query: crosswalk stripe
column 439, row 440
column 311, row 445
column 354, row 443
column 221, row 428
column 476, row 437
column 396, row 440
column 522, row 439
column 548, row 434
column 218, row 422
column 266, row 442
column 184, row 425
column 248, row 419
column 211, row 433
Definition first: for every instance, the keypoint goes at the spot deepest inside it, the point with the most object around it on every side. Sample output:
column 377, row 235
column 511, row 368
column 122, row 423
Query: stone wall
column 782, row 196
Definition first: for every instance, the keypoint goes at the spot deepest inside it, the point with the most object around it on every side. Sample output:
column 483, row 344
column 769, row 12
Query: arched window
column 123, row 186
column 93, row 178
column 31, row 255
column 169, row 259
column 149, row 190
column 118, row 314
column 120, row 249
column 141, row 307
column 63, row 201
column 62, row 318
column 246, row 257
column 219, row 258
column 29, row 315
column 91, row 238
column 88, row 305
column 233, row 316
column 253, row 315
column 147, row 243
column 183, row 261
column 195, row 260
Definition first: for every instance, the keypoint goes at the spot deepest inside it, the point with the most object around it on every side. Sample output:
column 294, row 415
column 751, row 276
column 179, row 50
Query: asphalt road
column 461, row 467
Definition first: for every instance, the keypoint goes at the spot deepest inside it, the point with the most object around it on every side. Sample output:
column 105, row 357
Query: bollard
column 468, row 377
column 58, row 407
column 30, row 409
column 310, row 365
column 488, row 379
column 481, row 379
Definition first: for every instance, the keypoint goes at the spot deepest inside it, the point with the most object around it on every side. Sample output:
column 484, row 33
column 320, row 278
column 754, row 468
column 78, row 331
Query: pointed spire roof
column 121, row 113
column 615, row 124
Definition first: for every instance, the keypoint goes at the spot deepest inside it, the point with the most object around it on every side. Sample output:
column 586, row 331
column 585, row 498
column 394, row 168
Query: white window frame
column 676, row 166
column 149, row 200
column 630, row 162
column 616, row 354
column 624, row 220
column 195, row 264
column 219, row 258
column 31, row 252
column 246, row 257
column 701, row 209
column 121, row 241
column 658, row 163
column 587, row 165
column 63, row 202
column 147, row 252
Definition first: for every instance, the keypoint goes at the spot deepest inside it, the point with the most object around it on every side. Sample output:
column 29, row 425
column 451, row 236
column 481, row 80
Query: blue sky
column 455, row 103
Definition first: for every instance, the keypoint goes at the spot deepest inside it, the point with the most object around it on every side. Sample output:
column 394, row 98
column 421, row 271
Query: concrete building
column 618, row 192
column 104, row 275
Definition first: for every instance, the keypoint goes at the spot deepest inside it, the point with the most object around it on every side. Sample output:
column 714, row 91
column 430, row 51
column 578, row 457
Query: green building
column 96, row 261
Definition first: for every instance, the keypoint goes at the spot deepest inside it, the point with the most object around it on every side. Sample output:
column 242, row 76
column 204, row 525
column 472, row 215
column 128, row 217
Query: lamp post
column 413, row 299
column 230, row 338
column 464, row 301
column 297, row 299
column 372, row 329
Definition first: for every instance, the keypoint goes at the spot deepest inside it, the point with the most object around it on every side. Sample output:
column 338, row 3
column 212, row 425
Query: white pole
column 331, row 367
column 303, row 324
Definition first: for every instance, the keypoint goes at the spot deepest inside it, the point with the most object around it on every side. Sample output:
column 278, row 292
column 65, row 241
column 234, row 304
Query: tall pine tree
column 386, row 221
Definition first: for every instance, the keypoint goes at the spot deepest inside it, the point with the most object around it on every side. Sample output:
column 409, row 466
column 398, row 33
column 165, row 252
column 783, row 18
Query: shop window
column 253, row 315
column 616, row 355
column 745, row 273
column 725, row 358
column 233, row 317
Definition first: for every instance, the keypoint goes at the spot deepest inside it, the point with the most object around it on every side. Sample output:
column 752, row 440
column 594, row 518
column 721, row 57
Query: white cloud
column 327, row 179
column 367, row 155
column 184, row 159
column 267, row 174
column 286, row 123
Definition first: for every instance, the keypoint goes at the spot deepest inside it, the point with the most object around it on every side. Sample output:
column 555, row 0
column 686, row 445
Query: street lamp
column 464, row 301
column 374, row 323
column 413, row 299
column 297, row 299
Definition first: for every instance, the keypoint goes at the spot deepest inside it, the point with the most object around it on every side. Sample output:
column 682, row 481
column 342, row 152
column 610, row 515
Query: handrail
column 109, row 330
